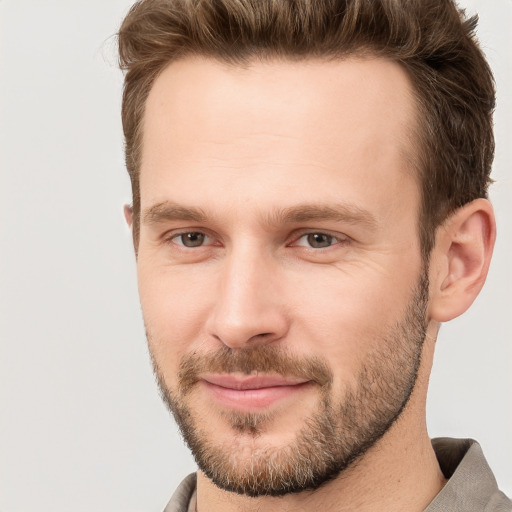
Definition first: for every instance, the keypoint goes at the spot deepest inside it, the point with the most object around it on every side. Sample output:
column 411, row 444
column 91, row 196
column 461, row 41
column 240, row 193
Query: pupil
column 319, row 240
column 192, row 239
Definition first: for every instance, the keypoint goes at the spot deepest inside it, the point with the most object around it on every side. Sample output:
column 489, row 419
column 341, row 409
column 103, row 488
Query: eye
column 190, row 239
column 317, row 240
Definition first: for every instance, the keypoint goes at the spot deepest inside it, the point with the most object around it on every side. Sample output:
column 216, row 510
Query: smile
column 251, row 393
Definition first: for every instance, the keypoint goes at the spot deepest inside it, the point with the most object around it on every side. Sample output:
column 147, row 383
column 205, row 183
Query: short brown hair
column 431, row 39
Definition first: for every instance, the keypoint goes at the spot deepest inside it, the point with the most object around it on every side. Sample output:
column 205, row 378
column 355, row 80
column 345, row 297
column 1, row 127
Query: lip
column 251, row 392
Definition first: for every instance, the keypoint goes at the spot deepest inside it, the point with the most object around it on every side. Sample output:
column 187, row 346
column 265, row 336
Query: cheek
column 345, row 318
column 174, row 306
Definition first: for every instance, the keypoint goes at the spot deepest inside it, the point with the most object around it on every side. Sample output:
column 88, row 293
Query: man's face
column 279, row 263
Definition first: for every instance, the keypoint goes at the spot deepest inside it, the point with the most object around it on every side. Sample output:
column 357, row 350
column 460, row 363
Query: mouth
column 251, row 393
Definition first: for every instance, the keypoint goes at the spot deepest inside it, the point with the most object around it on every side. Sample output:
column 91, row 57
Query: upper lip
column 244, row 382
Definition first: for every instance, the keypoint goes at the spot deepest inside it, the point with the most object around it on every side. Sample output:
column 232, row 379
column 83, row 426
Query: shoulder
column 471, row 486
column 181, row 498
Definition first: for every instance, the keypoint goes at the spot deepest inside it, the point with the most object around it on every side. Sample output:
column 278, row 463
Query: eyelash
column 174, row 236
column 333, row 239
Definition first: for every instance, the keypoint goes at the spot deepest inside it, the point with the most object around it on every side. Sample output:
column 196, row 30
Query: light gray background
column 81, row 424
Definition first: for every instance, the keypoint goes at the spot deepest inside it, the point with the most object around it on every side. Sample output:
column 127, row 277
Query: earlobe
column 460, row 259
column 128, row 214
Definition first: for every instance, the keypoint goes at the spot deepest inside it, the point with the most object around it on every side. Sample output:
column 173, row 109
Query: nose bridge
column 247, row 308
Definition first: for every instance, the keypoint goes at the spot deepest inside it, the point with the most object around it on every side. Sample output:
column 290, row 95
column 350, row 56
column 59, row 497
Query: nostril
column 263, row 336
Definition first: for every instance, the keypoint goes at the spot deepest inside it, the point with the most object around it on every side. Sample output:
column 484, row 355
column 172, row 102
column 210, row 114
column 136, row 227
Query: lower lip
column 252, row 399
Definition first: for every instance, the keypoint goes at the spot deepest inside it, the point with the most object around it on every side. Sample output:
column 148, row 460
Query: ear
column 128, row 215
column 460, row 259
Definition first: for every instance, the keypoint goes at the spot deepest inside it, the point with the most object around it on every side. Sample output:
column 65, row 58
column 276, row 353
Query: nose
column 249, row 309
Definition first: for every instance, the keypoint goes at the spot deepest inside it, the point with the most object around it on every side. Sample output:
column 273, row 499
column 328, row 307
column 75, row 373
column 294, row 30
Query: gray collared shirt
column 471, row 486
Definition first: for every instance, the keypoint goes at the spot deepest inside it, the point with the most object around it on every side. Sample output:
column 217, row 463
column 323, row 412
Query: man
column 309, row 205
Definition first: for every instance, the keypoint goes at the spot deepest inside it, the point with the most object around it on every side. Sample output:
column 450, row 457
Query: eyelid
column 338, row 237
column 171, row 236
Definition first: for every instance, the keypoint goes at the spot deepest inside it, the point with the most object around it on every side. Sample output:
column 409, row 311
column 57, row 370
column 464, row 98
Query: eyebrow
column 346, row 213
column 167, row 211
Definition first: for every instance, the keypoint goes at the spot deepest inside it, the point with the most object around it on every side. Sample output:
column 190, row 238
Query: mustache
column 259, row 359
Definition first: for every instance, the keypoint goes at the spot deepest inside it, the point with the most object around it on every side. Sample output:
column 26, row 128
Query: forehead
column 304, row 87
column 273, row 118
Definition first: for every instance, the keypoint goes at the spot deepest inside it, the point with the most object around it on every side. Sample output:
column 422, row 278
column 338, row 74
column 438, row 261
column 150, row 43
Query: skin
column 243, row 147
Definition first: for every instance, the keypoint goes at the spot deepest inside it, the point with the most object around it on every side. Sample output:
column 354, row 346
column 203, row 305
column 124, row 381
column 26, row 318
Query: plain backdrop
column 82, row 428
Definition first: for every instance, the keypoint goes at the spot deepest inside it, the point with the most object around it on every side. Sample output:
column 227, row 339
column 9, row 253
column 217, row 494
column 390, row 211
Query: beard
column 331, row 439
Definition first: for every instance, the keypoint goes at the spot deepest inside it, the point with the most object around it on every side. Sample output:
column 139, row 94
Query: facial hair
column 329, row 440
